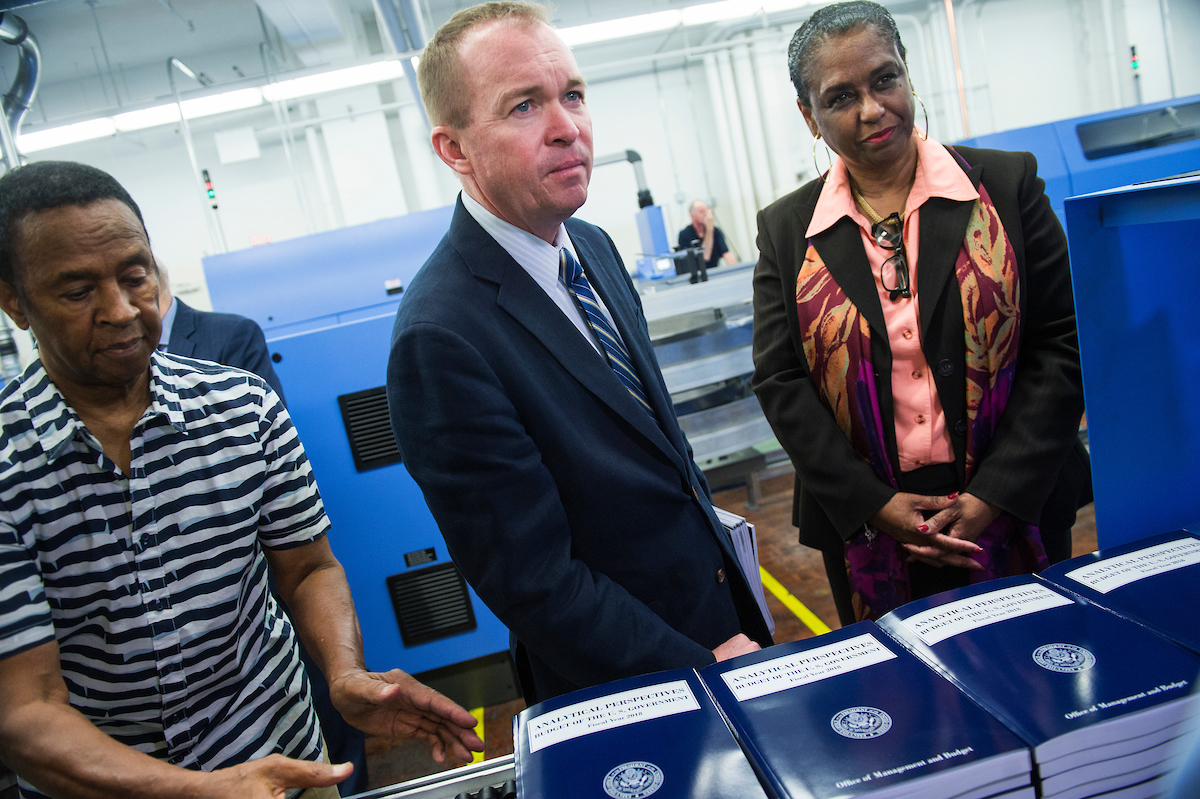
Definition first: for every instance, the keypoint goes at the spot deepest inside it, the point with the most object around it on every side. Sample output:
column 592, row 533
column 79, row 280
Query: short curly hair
column 835, row 20
column 43, row 185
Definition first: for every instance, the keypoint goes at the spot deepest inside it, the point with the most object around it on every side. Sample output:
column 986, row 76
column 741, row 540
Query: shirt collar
column 535, row 255
column 938, row 175
column 168, row 322
column 56, row 424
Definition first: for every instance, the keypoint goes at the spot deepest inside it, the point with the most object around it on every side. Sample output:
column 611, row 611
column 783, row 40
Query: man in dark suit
column 223, row 338
column 525, row 396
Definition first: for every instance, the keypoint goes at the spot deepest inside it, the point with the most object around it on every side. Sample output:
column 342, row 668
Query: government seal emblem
column 861, row 722
column 633, row 780
column 1064, row 658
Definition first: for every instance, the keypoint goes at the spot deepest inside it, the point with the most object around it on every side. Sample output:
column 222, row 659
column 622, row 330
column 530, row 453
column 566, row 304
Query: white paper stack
column 745, row 544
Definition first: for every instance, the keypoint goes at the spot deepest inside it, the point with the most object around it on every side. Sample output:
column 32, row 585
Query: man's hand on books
column 737, row 645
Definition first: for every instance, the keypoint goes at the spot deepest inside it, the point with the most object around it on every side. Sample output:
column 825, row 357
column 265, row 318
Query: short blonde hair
column 439, row 73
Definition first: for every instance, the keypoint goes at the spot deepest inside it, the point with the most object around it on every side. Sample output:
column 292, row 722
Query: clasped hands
column 947, row 538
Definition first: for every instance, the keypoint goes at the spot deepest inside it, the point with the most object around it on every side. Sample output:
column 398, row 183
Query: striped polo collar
column 55, row 422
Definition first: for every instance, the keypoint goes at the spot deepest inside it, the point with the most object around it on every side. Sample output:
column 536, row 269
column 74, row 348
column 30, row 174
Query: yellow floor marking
column 477, row 757
column 791, row 603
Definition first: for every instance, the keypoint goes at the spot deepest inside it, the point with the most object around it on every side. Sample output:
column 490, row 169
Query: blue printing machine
column 1135, row 272
column 326, row 303
column 1114, row 148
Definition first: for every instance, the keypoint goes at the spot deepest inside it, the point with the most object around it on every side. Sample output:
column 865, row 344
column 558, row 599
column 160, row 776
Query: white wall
column 1024, row 62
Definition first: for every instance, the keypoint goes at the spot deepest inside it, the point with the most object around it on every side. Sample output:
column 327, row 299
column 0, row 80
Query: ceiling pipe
column 212, row 221
column 962, row 93
column 20, row 96
column 404, row 31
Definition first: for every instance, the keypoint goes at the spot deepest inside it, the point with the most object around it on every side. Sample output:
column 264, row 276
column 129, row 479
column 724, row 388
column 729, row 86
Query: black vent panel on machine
column 431, row 603
column 365, row 415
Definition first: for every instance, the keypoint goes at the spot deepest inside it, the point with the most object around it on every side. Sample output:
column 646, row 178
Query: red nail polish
column 924, row 528
column 952, row 496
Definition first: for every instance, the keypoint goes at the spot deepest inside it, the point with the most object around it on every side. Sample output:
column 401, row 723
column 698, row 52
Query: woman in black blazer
column 915, row 346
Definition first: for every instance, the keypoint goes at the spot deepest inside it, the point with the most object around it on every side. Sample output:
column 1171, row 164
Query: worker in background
column 142, row 496
column 525, row 396
column 234, row 340
column 709, row 236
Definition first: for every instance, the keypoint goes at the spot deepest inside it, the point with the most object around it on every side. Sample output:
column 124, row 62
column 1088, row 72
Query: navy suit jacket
column 582, row 522
column 225, row 338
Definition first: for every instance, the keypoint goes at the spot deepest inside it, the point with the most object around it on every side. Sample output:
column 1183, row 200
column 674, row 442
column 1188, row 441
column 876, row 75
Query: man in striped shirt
column 142, row 496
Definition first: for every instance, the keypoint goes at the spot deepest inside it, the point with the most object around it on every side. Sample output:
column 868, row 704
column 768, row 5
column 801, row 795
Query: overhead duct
column 20, row 96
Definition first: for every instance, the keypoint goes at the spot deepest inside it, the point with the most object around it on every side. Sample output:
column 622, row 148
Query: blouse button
column 920, row 418
column 916, row 374
column 907, row 334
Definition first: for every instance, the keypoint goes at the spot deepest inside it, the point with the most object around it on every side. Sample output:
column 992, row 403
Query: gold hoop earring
column 926, row 113
column 816, row 139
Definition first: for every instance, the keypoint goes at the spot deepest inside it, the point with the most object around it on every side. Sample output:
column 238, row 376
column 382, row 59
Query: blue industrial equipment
column 656, row 261
column 1133, row 265
column 326, row 303
column 1114, row 148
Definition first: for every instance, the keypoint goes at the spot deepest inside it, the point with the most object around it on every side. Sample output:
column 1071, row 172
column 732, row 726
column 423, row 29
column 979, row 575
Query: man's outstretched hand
column 394, row 705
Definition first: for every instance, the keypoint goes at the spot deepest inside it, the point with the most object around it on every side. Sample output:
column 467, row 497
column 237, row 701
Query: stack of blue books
column 852, row 714
column 1152, row 581
column 656, row 735
column 1103, row 702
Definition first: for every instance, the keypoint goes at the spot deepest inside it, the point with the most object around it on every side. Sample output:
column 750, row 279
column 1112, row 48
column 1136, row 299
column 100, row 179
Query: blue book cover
column 1078, row 683
column 1152, row 581
column 656, row 735
column 853, row 713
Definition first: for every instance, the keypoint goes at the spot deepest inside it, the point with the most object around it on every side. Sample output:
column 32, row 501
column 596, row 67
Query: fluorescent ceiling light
column 147, row 117
column 332, row 81
column 65, row 134
column 220, row 103
column 168, row 113
column 658, row 21
column 620, row 28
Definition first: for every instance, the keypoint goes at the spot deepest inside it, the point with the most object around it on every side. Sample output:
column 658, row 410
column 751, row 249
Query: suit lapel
column 943, row 223
column 943, row 226
column 526, row 302
column 182, row 329
column 841, row 247
column 605, row 276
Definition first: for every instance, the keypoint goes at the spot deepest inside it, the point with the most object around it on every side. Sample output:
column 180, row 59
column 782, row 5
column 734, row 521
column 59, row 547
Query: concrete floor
column 800, row 570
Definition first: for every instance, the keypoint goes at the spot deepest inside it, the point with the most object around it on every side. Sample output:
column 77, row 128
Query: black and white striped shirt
column 155, row 584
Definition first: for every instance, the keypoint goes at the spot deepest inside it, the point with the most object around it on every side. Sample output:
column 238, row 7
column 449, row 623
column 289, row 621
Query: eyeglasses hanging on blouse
column 893, row 240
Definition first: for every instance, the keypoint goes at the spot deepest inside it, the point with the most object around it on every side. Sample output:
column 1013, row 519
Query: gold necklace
column 866, row 206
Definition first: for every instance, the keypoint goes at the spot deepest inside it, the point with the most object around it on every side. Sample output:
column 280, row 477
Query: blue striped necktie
column 618, row 356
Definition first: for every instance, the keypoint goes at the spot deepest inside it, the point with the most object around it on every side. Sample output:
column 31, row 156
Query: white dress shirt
column 540, row 260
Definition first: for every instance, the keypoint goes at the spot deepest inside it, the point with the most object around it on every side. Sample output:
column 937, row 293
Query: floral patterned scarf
column 837, row 347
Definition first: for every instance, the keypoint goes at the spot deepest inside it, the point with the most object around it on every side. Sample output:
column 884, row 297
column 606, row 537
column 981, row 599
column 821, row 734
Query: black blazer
column 578, row 519
column 1035, row 468
column 225, row 338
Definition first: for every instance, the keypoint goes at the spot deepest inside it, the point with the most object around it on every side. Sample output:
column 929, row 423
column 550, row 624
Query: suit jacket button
column 945, row 368
column 720, row 575
column 960, row 427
